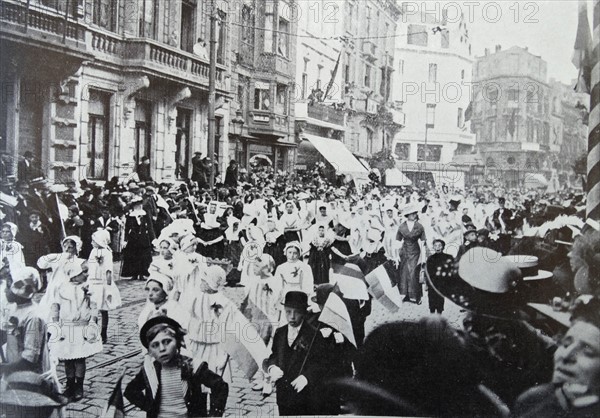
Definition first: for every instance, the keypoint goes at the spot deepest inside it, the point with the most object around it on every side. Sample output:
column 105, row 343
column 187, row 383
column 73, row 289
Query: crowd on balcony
column 321, row 250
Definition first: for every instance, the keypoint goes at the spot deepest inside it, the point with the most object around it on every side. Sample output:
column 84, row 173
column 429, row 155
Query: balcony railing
column 274, row 63
column 326, row 113
column 152, row 55
column 36, row 18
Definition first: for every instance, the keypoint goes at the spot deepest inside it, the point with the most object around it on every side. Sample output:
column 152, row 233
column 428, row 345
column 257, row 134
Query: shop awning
column 395, row 177
column 338, row 155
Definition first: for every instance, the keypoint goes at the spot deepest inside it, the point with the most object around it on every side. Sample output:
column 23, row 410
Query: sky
column 547, row 28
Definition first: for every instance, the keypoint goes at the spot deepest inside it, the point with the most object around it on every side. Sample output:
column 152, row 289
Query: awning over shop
column 338, row 155
column 395, row 177
column 420, row 178
column 534, row 181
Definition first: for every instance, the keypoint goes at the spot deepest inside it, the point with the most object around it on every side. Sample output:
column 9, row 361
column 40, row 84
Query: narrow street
column 123, row 352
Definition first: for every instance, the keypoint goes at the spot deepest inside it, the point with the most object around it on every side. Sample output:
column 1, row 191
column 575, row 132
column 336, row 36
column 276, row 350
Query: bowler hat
column 296, row 299
column 157, row 320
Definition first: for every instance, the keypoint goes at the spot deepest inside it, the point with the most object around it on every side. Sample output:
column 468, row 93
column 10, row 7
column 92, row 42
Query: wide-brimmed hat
column 410, row 209
column 528, row 264
column 296, row 299
column 158, row 320
column 482, row 281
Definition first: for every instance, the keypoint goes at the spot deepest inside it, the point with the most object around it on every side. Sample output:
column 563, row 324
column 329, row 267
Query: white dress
column 60, row 264
column 107, row 297
column 75, row 335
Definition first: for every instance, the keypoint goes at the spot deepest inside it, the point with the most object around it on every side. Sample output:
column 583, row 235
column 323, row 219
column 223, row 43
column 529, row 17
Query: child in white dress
column 74, row 330
column 105, row 292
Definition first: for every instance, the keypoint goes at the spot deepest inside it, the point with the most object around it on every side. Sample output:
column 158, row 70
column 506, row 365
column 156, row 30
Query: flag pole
column 62, row 223
column 593, row 158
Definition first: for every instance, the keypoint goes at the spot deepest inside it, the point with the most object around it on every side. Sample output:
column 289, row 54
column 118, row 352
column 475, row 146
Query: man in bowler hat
column 298, row 360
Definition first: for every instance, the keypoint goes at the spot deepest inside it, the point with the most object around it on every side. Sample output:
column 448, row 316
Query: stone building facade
column 92, row 89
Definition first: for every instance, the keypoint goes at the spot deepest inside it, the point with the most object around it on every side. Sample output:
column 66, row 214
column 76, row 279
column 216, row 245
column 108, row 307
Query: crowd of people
column 302, row 248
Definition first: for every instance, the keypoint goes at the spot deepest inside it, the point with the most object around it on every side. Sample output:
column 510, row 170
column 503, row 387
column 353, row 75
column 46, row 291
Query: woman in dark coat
column 139, row 234
column 410, row 232
column 319, row 257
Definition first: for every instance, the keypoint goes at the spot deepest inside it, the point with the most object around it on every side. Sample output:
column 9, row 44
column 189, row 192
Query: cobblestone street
column 123, row 353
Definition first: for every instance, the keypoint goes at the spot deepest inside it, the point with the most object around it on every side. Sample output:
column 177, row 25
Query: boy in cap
column 157, row 388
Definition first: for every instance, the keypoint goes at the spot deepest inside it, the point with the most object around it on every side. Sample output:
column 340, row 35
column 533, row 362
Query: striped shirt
column 172, row 404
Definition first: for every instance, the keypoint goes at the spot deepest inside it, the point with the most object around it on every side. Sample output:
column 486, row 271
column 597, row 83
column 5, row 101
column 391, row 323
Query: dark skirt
column 409, row 277
column 136, row 261
column 275, row 250
column 319, row 262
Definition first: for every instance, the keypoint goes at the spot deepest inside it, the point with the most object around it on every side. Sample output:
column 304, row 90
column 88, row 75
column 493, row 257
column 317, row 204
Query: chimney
column 498, row 48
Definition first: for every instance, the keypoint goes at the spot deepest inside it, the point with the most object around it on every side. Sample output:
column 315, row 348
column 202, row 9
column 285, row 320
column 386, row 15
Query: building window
column 182, row 143
column 417, row 35
column 149, row 19
column 430, row 115
column 493, row 130
column 367, row 79
column 368, row 19
column 143, row 129
column 460, row 118
column 445, row 38
column 104, row 14
column 247, row 51
column 269, row 26
column 98, row 142
column 283, row 39
column 349, row 16
column 188, row 25
column 429, row 152
column 262, row 99
column 432, row 73
column 402, row 151
column 282, row 99
column 221, row 35
column 462, row 74
column 401, row 66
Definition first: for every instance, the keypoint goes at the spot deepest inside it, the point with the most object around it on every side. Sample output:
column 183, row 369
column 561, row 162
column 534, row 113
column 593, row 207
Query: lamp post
column 237, row 126
column 429, row 123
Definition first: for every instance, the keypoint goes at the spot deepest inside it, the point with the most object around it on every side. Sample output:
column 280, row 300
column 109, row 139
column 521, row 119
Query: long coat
column 137, row 255
column 309, row 345
column 410, row 256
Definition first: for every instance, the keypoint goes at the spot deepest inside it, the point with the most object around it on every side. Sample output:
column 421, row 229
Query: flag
column 469, row 112
column 381, row 287
column 257, row 317
column 582, row 51
column 333, row 75
column 115, row 408
column 350, row 280
column 512, row 123
column 335, row 314
column 244, row 345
